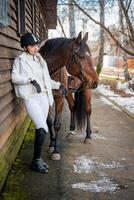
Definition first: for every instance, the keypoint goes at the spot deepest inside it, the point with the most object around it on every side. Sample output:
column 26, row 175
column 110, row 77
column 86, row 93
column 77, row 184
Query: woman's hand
column 36, row 85
column 64, row 90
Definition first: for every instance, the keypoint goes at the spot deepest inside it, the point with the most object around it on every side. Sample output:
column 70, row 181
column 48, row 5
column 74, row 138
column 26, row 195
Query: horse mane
column 50, row 46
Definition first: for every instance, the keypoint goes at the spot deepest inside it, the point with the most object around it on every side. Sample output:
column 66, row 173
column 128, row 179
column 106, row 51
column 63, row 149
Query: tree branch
column 106, row 29
column 128, row 5
column 127, row 18
column 61, row 27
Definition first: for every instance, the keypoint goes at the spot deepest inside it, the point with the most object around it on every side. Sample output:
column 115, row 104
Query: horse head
column 73, row 53
column 80, row 63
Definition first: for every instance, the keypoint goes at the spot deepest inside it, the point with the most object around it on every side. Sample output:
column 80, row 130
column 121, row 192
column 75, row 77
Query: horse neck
column 60, row 58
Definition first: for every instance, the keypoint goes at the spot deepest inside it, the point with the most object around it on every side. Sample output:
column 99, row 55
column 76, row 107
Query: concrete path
column 100, row 170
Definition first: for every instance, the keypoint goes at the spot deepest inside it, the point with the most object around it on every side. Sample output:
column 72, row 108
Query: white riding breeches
column 37, row 108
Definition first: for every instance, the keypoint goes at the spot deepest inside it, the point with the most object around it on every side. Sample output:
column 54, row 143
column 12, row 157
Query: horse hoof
column 87, row 140
column 71, row 133
column 50, row 150
column 55, row 156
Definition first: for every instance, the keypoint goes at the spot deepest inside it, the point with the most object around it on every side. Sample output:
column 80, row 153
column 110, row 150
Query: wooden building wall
column 12, row 113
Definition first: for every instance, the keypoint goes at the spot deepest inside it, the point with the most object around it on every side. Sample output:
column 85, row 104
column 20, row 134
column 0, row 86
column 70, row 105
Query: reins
column 81, row 87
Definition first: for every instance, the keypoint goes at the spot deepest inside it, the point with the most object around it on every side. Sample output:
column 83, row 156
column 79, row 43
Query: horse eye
column 82, row 57
column 76, row 49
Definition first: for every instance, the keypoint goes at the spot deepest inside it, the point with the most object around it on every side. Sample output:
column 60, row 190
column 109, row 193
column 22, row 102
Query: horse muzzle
column 94, row 84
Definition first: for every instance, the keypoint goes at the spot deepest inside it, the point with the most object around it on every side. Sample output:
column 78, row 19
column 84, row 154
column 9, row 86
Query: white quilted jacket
column 21, row 73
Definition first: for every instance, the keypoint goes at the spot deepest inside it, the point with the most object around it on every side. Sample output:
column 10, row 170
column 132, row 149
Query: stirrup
column 38, row 166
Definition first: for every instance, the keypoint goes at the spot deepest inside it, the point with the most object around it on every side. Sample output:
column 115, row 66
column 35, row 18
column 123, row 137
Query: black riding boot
column 38, row 164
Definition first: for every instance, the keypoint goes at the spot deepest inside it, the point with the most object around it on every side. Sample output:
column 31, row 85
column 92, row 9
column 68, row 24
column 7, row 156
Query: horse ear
column 79, row 37
column 85, row 38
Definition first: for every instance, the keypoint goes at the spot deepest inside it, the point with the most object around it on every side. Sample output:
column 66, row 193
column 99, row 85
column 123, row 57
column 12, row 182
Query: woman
column 33, row 84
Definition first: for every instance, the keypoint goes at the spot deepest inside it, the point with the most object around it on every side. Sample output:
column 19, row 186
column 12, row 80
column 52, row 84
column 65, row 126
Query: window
column 3, row 13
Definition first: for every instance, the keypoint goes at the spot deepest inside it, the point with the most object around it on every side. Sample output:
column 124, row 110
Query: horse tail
column 80, row 109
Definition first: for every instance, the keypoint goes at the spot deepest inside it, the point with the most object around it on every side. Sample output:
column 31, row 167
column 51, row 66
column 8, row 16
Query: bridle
column 75, row 57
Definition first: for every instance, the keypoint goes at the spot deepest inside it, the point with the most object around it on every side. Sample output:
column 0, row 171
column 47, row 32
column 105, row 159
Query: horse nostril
column 95, row 84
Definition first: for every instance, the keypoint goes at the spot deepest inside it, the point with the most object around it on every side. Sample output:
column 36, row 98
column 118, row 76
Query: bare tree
column 123, row 39
column 129, row 50
column 71, row 19
column 101, row 38
column 62, row 28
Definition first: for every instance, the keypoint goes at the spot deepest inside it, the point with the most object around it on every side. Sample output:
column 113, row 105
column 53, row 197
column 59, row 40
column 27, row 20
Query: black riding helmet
column 28, row 39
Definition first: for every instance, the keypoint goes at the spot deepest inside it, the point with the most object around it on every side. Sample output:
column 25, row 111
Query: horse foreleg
column 88, row 128
column 59, row 102
column 52, row 136
column 88, row 115
column 70, row 101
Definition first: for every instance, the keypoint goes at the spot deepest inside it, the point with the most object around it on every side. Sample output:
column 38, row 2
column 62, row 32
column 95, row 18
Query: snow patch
column 106, row 101
column 125, row 87
column 98, row 136
column 94, row 136
column 84, row 164
column 105, row 90
column 101, row 185
column 126, row 102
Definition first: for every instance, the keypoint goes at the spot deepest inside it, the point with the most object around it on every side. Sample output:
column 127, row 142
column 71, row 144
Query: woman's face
column 32, row 49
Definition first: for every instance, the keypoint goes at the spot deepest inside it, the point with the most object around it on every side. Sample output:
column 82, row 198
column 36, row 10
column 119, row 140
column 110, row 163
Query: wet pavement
column 100, row 170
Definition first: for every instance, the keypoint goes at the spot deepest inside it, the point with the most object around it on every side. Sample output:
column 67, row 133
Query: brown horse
column 75, row 55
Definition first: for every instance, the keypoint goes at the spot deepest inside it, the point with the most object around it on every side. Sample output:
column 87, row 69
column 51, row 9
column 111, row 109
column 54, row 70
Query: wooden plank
column 37, row 18
column 37, row 33
column 29, row 12
column 34, row 16
column 5, row 88
column 13, row 24
column 28, row 4
column 28, row 29
column 29, row 19
column 5, row 76
column 6, row 111
column 5, row 64
column 37, row 23
column 13, row 4
column 8, row 153
column 7, row 122
column 38, row 30
column 10, row 33
column 9, row 129
column 28, row 23
column 12, row 13
column 9, row 42
column 9, row 52
column 4, row 135
column 6, row 99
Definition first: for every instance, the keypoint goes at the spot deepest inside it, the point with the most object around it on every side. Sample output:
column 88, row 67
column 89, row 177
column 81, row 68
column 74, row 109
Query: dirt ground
column 100, row 170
